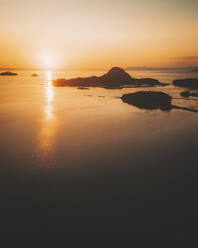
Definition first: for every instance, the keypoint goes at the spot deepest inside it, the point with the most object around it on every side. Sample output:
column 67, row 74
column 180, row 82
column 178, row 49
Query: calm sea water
column 67, row 152
column 45, row 126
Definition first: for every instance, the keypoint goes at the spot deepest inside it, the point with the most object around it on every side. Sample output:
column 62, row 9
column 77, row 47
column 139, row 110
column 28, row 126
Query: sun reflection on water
column 49, row 96
column 48, row 127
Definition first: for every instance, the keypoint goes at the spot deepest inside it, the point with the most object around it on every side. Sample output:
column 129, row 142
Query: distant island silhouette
column 148, row 68
column 34, row 75
column 8, row 73
column 190, row 83
column 188, row 94
column 115, row 78
column 152, row 100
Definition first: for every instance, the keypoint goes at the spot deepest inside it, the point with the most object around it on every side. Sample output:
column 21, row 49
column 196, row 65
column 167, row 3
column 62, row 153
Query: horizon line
column 128, row 68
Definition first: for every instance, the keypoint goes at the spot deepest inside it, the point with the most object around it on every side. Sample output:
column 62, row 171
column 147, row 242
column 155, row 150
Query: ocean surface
column 82, row 160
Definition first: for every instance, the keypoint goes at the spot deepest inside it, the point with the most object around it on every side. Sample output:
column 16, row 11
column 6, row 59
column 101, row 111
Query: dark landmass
column 147, row 68
column 8, row 73
column 190, row 83
column 148, row 100
column 188, row 93
column 151, row 100
column 83, row 88
column 116, row 78
column 148, row 82
column 34, row 75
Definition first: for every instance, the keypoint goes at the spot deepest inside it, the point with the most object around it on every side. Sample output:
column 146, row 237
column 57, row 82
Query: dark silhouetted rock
column 194, row 94
column 151, row 100
column 116, row 78
column 34, row 75
column 190, row 83
column 8, row 73
column 148, row 100
column 185, row 94
column 188, row 93
column 83, row 88
column 148, row 82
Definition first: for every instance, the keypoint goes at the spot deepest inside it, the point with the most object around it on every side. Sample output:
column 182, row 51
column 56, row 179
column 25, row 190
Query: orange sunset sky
column 89, row 34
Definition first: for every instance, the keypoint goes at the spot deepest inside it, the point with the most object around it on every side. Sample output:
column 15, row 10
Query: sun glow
column 48, row 61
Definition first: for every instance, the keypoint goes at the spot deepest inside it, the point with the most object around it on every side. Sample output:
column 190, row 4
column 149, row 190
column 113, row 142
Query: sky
column 90, row 34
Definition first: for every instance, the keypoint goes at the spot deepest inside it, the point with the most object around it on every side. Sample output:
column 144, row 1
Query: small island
column 149, row 100
column 188, row 94
column 34, row 75
column 152, row 100
column 82, row 88
column 115, row 78
column 8, row 73
column 189, row 83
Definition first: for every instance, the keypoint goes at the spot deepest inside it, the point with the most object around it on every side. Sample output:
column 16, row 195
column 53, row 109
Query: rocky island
column 34, row 75
column 151, row 100
column 8, row 73
column 188, row 94
column 148, row 100
column 116, row 78
column 190, row 83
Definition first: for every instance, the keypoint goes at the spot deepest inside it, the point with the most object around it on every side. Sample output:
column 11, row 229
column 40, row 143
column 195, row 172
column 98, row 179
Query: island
column 190, row 83
column 188, row 94
column 149, row 100
column 8, row 73
column 152, row 100
column 115, row 78
column 34, row 75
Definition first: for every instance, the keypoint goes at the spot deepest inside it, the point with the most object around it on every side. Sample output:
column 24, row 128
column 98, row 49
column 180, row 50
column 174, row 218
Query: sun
column 48, row 61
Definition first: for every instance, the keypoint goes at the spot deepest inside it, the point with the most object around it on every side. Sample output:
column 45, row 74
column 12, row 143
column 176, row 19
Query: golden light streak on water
column 49, row 96
column 48, row 129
